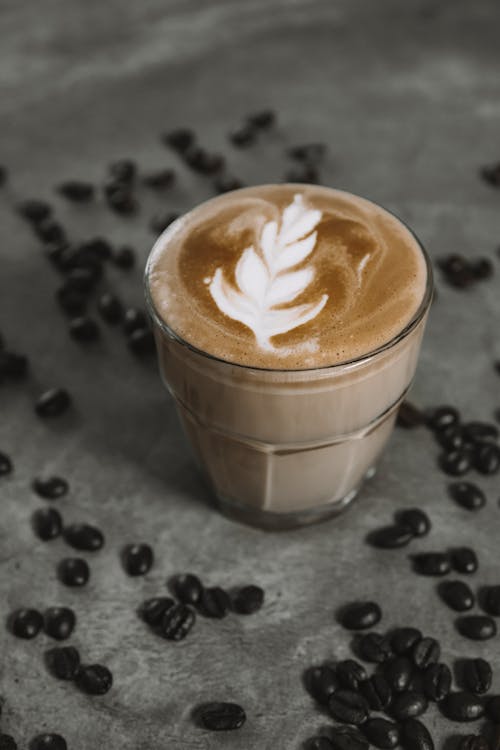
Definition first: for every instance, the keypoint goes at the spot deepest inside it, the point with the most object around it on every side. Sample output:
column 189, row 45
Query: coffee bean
column 160, row 222
column 437, row 682
column 34, row 211
column 227, row 183
column 63, row 662
column 455, row 462
column 318, row 743
column 451, row 438
column 152, row 610
column 26, row 623
column 399, row 673
column 348, row 707
column 123, row 170
column 73, row 571
column 415, row 736
column 464, row 560
column 468, row 495
column 381, row 733
column 71, row 300
column 350, row 674
column 134, row 319
column 124, row 257
column 377, row 691
column 443, row 417
column 47, row 523
column 94, row 679
column 482, row 268
column 5, row 464
column 141, row 342
column 347, row 738
column 137, row 559
column 305, row 173
column 94, row 250
column 13, row 366
column 457, row 595
column 309, row 152
column 415, row 520
column 84, row 278
column 390, row 537
column 321, row 683
column 476, row 627
column 222, row 716
column 50, row 488
column 83, row 536
column 403, row 639
column 491, row 602
column 59, row 622
column 432, row 563
column 477, row 676
column 375, row 648
column 487, row 458
column 243, row 136
column 409, row 416
column 201, row 161
column 160, row 179
column 472, row 742
column 493, row 709
column 477, row 432
column 177, row 622
column 462, row 706
column 110, row 308
column 214, row 602
column 7, row 742
column 248, row 600
column 48, row 742
column 262, row 120
column 360, row 615
column 84, row 329
column 426, row 651
column 188, row 588
column 52, row 403
column 122, row 201
column 408, row 705
column 76, row 190
column 491, row 174
column 179, row 140
column 50, row 231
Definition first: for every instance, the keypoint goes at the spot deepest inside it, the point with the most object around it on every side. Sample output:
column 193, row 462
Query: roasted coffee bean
column 73, row 571
column 415, row 736
column 437, row 682
column 214, row 602
column 455, row 462
column 399, row 673
column 457, row 595
column 381, row 733
column 137, row 559
column 201, row 161
column 348, row 707
column 408, row 705
column 473, row 742
column 160, row 179
column 319, row 743
column 360, row 615
column 52, row 403
column 26, row 623
column 415, row 520
column 7, row 742
column 493, row 709
column 227, row 183
column 83, row 536
column 305, row 173
column 84, row 329
column 377, row 691
column 76, row 190
column 34, row 211
column 123, row 170
column 96, row 249
column 71, row 300
column 487, row 458
column 177, row 622
column 63, row 662
column 124, row 257
column 13, row 366
column 462, row 706
column 48, row 742
column 476, row 627
column 403, row 639
column 50, row 231
column 478, row 432
column 188, row 588
column 247, row 600
column 50, row 488
column 262, row 120
column 443, row 417
column 222, row 716
column 426, row 651
column 5, row 464
column 84, row 278
column 477, row 676
column 390, row 537
column 451, row 438
column 122, row 201
column 59, row 622
column 243, row 136
column 347, row 738
column 409, row 416
column 152, row 610
column 491, row 603
column 141, row 342
column 375, row 648
column 160, row 222
column 491, row 174
column 134, row 319
column 482, row 268
column 47, row 523
column 110, row 308
column 321, row 683
column 350, row 674
column 432, row 563
column 468, row 495
column 94, row 679
column 308, row 152
column 179, row 140
column 464, row 560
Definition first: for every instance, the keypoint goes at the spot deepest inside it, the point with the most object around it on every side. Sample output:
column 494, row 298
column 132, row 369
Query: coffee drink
column 288, row 322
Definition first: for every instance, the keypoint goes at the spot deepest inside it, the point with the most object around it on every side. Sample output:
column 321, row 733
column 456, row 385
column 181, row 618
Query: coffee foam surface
column 287, row 276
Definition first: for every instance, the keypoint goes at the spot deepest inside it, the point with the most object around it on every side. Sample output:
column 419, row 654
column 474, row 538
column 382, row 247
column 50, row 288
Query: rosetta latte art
column 264, row 279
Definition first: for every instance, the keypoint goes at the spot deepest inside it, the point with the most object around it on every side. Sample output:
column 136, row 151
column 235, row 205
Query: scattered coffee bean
column 457, row 595
column 177, row 622
column 243, row 136
column 84, row 278
column 202, row 161
column 188, row 588
column 487, row 458
column 5, row 464
column 94, row 679
column 377, row 691
column 160, row 222
column 390, row 537
column 491, row 174
column 50, row 488
column 348, row 707
column 305, row 173
column 451, row 438
column 84, row 329
column 73, row 571
column 179, row 140
column 71, row 300
column 458, row 270
column 319, row 743
column 468, row 495
column 408, row 705
column 482, row 268
column 443, row 417
column 83, row 536
column 262, row 120
column 227, row 183
column 50, row 231
column 464, row 560
column 153, row 610
column 26, row 623
column 94, row 250
column 123, row 170
column 462, row 706
column 409, row 416
column 47, row 523
column 308, row 152
column 350, row 674
column 214, row 602
column 478, row 432
column 360, row 615
column 493, row 709
column 137, row 559
column 321, row 683
column 7, row 742
column 59, row 622
column 159, row 180
column 347, row 738
column 381, row 733
column 75, row 190
column 35, row 211
column 415, row 736
column 121, row 201
column 374, row 648
column 63, row 662
column 110, row 308
column 13, row 366
column 141, row 342
column 248, row 600
column 124, row 257
column 425, row 652
column 403, row 639
column 473, row 742
column 437, row 682
column 476, row 627
column 134, row 319
column 48, row 742
column 455, row 462
column 491, row 602
column 415, row 520
column 432, row 563
column 477, row 676
column 222, row 716
column 52, row 403
column 399, row 672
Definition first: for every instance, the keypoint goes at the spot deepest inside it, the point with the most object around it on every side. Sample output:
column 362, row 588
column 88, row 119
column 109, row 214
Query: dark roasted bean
column 84, row 329
column 381, row 733
column 96, row 249
column 73, row 571
column 432, row 563
column 214, row 602
column 305, row 173
column 443, row 417
column 202, row 161
column 476, row 627
column 403, row 639
column 321, row 683
column 408, row 705
column 319, row 743
column 348, row 707
column 248, row 599
column 455, row 462
column 262, row 120
column 464, row 560
column 482, row 268
column 491, row 174
column 7, row 742
column 390, row 537
column 71, row 300
column 26, row 623
column 75, row 190
column 462, row 706
column 160, row 179
column 491, row 602
column 487, row 458
column 94, row 679
column 426, row 651
column 124, row 257
column 398, row 673
column 141, row 342
column 13, row 366
column 360, row 615
column 123, row 170
column 83, row 278
column 47, row 523
column 83, row 536
column 468, row 495
column 48, row 742
column 347, row 738
column 5, row 464
column 50, row 488
column 152, row 610
column 59, row 622
column 451, row 438
column 308, row 152
column 34, row 210
column 110, row 308
column 180, row 139
column 415, row 736
column 493, row 709
column 222, row 716
column 243, row 136
column 137, row 559
column 350, row 674
column 177, row 622
column 227, row 183
column 477, row 676
column 473, row 742
column 63, row 662
column 415, row 520
column 160, row 222
column 375, row 648
column 437, row 682
column 50, row 231
column 457, row 595
column 409, row 416
column 122, row 202
column 480, row 431
column 188, row 588
column 52, row 403
column 377, row 691
column 134, row 319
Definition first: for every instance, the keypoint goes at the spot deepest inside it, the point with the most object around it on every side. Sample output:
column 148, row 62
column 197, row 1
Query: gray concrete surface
column 407, row 95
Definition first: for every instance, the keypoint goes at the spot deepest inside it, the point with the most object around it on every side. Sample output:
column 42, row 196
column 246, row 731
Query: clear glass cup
column 283, row 448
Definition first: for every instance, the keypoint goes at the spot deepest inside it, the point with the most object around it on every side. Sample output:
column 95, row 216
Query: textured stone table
column 407, row 96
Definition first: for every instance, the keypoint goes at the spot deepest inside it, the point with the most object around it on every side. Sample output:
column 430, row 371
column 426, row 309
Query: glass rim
column 355, row 361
